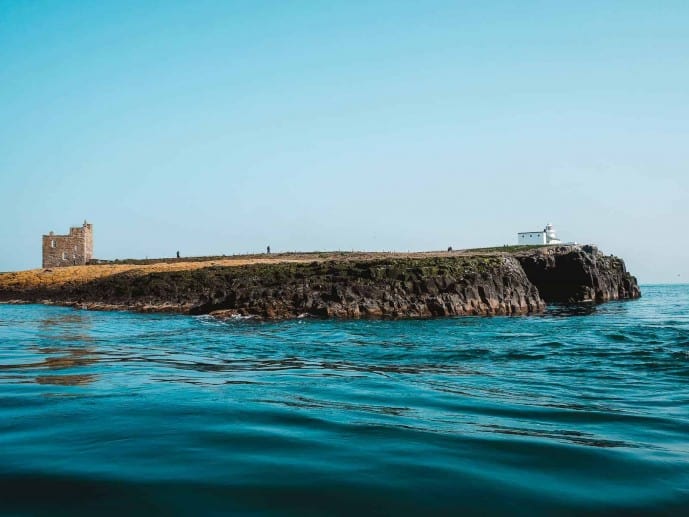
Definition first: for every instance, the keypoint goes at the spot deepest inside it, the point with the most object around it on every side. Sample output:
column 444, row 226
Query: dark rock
column 578, row 274
column 495, row 283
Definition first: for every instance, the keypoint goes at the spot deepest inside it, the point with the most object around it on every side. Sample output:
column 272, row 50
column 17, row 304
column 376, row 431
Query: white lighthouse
column 545, row 236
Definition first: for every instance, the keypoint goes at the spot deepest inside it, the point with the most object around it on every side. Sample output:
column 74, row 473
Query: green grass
column 210, row 258
column 507, row 248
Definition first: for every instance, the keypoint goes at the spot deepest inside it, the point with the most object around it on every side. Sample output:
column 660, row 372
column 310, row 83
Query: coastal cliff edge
column 491, row 282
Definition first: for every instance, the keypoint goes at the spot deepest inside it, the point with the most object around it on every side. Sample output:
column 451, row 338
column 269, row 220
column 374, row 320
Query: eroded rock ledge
column 578, row 274
column 495, row 283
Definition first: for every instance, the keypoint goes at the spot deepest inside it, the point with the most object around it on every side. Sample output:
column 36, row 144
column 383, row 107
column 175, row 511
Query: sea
column 583, row 409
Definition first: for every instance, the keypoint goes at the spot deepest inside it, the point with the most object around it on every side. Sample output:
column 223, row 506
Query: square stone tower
column 75, row 249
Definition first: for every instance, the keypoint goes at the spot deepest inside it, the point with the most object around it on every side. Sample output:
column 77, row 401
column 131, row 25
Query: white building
column 545, row 236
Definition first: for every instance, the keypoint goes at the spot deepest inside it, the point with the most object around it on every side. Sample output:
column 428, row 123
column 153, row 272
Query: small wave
column 214, row 320
column 572, row 436
column 206, row 319
column 515, row 355
column 617, row 336
column 240, row 317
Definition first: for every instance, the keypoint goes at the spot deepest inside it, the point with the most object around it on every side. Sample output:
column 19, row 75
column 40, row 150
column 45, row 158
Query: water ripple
column 581, row 409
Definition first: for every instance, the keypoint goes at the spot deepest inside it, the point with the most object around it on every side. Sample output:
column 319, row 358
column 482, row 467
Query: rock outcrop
column 569, row 274
column 402, row 288
column 394, row 288
column 481, row 283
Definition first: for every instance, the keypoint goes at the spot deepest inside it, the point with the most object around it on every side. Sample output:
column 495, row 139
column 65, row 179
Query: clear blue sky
column 221, row 127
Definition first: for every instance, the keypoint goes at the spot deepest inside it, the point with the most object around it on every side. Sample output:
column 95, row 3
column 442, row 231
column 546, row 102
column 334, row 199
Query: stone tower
column 75, row 249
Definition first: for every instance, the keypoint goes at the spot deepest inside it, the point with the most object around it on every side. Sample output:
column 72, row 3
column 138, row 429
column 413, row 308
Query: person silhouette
column 178, row 254
column 268, row 250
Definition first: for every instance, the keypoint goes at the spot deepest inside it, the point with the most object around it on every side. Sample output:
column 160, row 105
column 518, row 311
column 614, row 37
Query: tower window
column 52, row 243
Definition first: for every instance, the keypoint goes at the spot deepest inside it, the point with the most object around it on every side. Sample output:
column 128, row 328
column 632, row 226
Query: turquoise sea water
column 579, row 410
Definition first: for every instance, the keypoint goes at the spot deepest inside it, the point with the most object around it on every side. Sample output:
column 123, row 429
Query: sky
column 223, row 127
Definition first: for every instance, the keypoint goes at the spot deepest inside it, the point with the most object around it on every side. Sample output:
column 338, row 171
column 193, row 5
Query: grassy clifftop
column 44, row 278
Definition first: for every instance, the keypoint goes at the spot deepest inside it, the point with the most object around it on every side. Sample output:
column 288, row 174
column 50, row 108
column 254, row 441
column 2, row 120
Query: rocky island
column 497, row 281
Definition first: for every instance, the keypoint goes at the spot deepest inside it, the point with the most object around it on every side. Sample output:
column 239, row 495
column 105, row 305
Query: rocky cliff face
column 395, row 288
column 400, row 288
column 578, row 274
column 495, row 283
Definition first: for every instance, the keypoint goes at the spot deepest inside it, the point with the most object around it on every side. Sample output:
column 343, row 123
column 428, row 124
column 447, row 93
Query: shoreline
column 339, row 286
